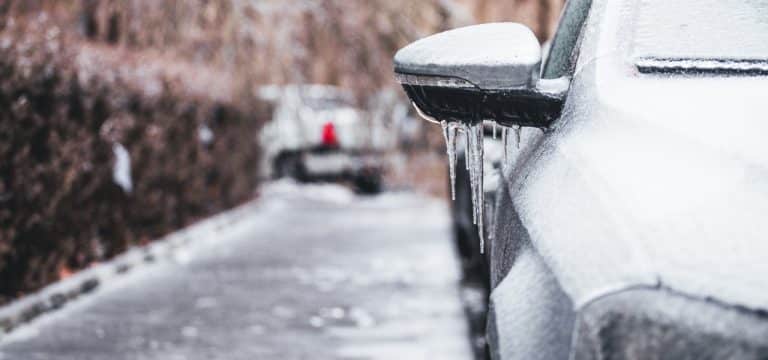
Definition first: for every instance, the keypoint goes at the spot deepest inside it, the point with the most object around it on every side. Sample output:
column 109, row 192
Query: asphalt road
column 313, row 273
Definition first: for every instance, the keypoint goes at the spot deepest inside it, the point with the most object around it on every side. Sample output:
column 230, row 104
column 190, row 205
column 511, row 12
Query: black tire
column 368, row 184
column 289, row 165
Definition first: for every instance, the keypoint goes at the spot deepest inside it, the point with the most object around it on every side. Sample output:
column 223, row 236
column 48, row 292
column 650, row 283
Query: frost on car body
column 645, row 195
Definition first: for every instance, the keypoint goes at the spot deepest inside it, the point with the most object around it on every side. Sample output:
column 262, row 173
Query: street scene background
column 123, row 122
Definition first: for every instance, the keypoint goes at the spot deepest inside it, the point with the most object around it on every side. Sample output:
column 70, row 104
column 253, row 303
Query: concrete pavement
column 314, row 272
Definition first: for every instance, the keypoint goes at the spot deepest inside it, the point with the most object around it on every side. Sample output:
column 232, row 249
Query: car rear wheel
column 289, row 165
column 369, row 184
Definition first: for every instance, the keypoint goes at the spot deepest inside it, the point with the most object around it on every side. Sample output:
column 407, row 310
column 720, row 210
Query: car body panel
column 647, row 194
column 530, row 317
column 648, row 179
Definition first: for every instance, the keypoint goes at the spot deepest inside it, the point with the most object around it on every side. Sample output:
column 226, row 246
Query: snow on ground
column 310, row 271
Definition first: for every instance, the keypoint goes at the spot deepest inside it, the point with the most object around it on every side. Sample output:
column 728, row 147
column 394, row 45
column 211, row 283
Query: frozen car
column 631, row 222
column 317, row 133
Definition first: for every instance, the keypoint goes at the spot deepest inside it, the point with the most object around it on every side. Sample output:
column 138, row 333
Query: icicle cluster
column 473, row 135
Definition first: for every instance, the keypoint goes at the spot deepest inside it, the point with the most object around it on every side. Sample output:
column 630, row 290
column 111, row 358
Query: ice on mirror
column 475, row 153
column 436, row 55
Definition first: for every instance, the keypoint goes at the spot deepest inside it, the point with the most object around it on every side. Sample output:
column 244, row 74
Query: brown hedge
column 60, row 117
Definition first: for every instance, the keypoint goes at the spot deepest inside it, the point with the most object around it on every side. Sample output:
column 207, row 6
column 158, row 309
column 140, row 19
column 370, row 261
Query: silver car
column 631, row 221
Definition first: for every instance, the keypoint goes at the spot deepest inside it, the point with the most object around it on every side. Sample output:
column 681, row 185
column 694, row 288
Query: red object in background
column 329, row 135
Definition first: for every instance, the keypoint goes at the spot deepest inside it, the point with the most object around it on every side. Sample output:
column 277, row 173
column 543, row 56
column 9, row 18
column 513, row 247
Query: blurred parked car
column 630, row 223
column 317, row 133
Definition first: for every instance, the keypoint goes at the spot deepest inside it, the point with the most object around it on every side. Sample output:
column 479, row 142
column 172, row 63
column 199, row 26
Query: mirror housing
column 480, row 72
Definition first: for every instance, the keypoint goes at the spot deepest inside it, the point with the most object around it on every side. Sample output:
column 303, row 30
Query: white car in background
column 318, row 133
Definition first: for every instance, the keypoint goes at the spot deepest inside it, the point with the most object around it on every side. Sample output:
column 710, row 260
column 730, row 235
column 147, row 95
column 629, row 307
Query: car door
column 530, row 316
column 560, row 62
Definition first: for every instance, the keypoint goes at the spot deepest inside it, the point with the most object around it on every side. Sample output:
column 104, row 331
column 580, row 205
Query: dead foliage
column 65, row 106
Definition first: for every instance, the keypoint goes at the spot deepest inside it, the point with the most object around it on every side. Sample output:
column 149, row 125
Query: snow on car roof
column 472, row 53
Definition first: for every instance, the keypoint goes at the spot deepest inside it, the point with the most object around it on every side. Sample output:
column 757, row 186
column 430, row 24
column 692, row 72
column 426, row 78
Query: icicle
column 477, row 164
column 473, row 136
column 475, row 158
column 449, row 133
column 518, row 131
column 452, row 130
column 504, row 139
column 444, row 125
column 492, row 217
column 465, row 129
column 468, row 160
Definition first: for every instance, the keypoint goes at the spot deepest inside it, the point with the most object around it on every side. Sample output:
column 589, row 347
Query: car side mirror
column 480, row 72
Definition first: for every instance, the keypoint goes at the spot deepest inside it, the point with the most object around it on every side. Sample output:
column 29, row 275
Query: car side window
column 562, row 56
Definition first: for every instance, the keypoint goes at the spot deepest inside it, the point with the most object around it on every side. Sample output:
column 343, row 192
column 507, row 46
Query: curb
column 58, row 294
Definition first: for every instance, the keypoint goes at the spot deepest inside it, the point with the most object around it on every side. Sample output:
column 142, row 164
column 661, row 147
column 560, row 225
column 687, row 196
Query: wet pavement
column 314, row 272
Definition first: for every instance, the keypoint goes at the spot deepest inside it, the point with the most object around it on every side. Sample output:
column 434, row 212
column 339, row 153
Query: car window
column 562, row 56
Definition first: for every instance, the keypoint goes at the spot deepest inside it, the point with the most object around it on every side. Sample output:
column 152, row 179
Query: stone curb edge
column 58, row 294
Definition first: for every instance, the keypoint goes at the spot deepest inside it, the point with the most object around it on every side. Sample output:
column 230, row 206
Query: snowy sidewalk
column 313, row 272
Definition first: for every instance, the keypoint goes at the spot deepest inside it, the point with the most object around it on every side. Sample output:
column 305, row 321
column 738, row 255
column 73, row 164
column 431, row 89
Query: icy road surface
column 313, row 273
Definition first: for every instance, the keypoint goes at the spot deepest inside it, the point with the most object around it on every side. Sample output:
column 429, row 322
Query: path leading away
column 313, row 272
